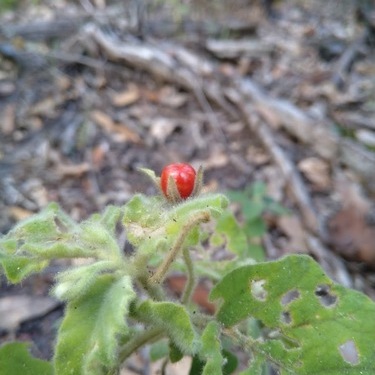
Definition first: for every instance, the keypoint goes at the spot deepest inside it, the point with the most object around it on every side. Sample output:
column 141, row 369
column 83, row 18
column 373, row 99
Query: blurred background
column 275, row 99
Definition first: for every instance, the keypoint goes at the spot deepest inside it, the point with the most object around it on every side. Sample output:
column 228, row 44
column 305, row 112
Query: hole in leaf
column 257, row 290
column 326, row 298
column 285, row 317
column 349, row 352
column 290, row 296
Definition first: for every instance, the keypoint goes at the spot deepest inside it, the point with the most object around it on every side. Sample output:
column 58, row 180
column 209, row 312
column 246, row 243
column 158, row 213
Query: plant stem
column 190, row 282
column 159, row 275
column 153, row 290
column 150, row 335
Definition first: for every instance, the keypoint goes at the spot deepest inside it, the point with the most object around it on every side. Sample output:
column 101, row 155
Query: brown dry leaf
column 292, row 228
column 16, row 309
column 118, row 131
column 170, row 97
column 257, row 156
column 45, row 107
column 162, row 128
column 127, row 97
column 73, row 170
column 19, row 213
column 8, row 117
column 63, row 82
column 218, row 158
column 317, row 172
column 351, row 233
column 98, row 154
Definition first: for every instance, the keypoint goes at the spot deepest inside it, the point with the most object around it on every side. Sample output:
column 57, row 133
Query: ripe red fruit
column 183, row 176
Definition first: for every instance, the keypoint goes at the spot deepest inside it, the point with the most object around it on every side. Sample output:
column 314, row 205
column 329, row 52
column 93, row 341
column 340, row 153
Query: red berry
column 183, row 175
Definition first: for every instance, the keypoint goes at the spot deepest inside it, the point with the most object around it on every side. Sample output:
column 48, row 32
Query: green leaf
column 175, row 353
column 110, row 218
column 73, row 283
column 257, row 366
column 256, row 227
column 236, row 238
column 159, row 349
column 88, row 336
column 253, row 210
column 174, row 319
column 51, row 234
column 151, row 223
column 230, row 362
column 211, row 350
column 310, row 317
column 17, row 268
column 256, row 252
column 16, row 359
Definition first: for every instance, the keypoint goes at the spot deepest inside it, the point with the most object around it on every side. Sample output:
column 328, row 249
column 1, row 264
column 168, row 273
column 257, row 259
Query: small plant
column 285, row 315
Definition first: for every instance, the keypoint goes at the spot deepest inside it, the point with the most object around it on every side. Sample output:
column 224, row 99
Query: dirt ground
column 90, row 91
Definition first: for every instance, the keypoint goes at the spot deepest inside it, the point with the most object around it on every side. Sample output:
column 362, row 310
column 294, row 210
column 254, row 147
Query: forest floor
column 92, row 91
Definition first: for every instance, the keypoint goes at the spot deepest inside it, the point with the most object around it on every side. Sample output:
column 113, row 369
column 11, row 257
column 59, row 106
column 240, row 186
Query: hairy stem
column 153, row 290
column 148, row 336
column 190, row 282
column 159, row 275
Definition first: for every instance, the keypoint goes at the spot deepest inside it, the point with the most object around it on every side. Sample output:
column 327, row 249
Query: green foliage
column 286, row 313
column 254, row 202
column 16, row 359
column 87, row 341
column 310, row 317
column 243, row 240
column 174, row 319
column 211, row 350
column 51, row 234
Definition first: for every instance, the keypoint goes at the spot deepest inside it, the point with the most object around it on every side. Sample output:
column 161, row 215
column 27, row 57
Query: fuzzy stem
column 159, row 275
column 150, row 335
column 190, row 282
column 153, row 290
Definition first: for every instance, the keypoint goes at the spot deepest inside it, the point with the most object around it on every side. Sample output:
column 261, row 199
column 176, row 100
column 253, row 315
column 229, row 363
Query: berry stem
column 190, row 282
column 159, row 275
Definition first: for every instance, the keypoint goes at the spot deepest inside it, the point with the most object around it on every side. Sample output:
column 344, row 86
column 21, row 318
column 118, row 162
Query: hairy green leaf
column 211, row 350
column 317, row 326
column 154, row 225
column 51, row 234
column 73, row 283
column 88, row 336
column 174, row 319
column 16, row 359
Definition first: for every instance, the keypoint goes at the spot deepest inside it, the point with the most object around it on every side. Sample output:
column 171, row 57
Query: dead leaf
column 316, row 171
column 16, row 309
column 19, row 213
column 351, row 234
column 291, row 226
column 45, row 107
column 170, row 97
column 118, row 131
column 127, row 97
column 73, row 170
column 8, row 119
column 162, row 128
column 257, row 155
column 98, row 154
